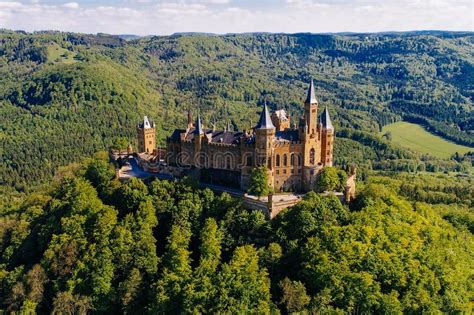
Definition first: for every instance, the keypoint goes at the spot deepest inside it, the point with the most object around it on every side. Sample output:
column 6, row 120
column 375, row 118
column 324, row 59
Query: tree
column 200, row 291
column 259, row 182
column 294, row 296
column 242, row 287
column 328, row 180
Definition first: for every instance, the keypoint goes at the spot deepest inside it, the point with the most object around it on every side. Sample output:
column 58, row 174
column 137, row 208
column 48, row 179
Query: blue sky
column 163, row 17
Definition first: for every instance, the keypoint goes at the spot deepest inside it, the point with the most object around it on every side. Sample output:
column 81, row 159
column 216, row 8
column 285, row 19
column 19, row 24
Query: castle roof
column 287, row 135
column 215, row 136
column 281, row 114
column 325, row 120
column 311, row 96
column 146, row 124
column 265, row 122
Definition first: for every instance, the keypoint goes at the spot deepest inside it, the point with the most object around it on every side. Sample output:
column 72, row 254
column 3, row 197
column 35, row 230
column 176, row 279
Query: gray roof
column 311, row 97
column 219, row 136
column 146, row 124
column 265, row 122
column 198, row 127
column 325, row 120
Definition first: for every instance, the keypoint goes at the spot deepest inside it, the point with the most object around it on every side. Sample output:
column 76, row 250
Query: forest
column 65, row 96
column 88, row 243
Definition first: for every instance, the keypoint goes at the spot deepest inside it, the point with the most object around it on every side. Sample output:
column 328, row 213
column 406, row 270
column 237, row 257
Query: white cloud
column 71, row 5
column 223, row 16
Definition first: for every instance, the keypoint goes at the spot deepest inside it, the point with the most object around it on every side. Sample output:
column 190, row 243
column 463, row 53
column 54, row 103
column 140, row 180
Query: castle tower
column 280, row 120
column 309, row 135
column 327, row 138
column 308, row 129
column 146, row 136
column 311, row 110
column 198, row 135
column 265, row 134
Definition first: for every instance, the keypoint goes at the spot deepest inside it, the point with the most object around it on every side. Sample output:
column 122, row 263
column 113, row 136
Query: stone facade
column 294, row 156
column 146, row 136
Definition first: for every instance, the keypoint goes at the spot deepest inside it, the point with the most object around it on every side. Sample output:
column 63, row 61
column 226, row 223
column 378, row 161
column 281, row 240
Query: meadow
column 417, row 138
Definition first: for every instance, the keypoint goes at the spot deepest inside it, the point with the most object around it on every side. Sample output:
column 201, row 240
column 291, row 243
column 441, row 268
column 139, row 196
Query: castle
column 293, row 156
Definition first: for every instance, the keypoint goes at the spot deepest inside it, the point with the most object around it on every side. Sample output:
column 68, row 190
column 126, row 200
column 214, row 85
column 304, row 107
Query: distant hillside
column 65, row 95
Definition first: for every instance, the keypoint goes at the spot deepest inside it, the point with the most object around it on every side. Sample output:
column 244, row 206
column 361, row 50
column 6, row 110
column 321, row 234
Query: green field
column 416, row 138
column 57, row 54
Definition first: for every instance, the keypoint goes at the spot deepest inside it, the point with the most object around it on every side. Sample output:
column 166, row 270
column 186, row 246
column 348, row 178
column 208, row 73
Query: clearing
column 417, row 138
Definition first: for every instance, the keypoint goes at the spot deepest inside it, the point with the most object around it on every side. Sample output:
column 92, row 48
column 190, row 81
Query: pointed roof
column 198, row 127
column 325, row 120
column 265, row 122
column 311, row 96
column 146, row 124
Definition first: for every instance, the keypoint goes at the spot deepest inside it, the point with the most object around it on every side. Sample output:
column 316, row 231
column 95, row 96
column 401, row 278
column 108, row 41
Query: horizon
column 222, row 17
column 190, row 33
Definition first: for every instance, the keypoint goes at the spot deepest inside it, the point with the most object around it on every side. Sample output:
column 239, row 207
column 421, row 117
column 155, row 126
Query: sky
column 164, row 17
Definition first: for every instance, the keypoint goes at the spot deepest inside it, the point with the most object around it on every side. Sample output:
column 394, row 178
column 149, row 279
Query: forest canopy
column 93, row 244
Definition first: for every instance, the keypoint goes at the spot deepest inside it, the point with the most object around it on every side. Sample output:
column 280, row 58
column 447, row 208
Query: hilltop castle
column 293, row 156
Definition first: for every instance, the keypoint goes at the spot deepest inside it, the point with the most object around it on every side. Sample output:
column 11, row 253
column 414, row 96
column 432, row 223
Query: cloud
column 163, row 17
column 71, row 5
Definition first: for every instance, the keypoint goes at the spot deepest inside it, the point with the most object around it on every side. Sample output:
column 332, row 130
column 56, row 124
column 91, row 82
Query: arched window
column 277, row 161
column 299, row 160
column 311, row 156
column 292, row 160
column 228, row 163
column 285, row 160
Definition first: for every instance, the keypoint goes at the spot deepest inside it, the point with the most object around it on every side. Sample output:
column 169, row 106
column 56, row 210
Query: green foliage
column 259, row 182
column 294, row 296
column 328, row 180
column 175, row 248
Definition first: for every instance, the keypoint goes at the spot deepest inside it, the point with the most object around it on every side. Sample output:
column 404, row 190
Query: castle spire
column 190, row 118
column 325, row 120
column 198, row 128
column 265, row 122
column 311, row 96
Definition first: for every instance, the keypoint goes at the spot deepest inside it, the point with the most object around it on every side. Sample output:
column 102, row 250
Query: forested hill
column 64, row 96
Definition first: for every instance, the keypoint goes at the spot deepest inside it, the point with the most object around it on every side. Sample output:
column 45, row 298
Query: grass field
column 416, row 138
column 57, row 54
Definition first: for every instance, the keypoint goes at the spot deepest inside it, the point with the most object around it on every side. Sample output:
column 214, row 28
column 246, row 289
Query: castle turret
column 198, row 134
column 146, row 136
column 311, row 109
column 280, row 120
column 190, row 119
column 327, row 138
column 265, row 134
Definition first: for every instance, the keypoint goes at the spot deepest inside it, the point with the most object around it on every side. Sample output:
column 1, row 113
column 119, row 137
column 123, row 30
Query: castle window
column 277, row 162
column 228, row 163
column 269, row 162
column 311, row 156
column 277, row 172
column 299, row 159
column 284, row 171
column 285, row 160
column 292, row 160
